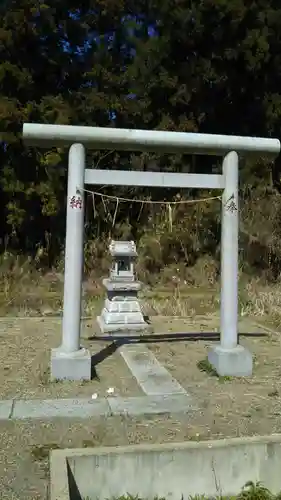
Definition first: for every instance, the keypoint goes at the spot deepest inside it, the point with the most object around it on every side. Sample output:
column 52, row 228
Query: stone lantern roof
column 123, row 249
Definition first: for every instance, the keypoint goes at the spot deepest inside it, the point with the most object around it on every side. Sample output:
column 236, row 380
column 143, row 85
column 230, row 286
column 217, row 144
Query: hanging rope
column 148, row 202
column 118, row 199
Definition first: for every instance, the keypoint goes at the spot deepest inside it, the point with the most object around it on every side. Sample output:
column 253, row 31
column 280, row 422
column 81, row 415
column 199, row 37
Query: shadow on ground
column 117, row 341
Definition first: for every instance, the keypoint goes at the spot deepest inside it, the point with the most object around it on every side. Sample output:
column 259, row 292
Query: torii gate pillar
column 70, row 361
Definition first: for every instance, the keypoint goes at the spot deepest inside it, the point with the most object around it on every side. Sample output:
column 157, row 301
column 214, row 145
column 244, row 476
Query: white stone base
column 236, row 362
column 129, row 328
column 127, row 305
column 122, row 318
column 71, row 366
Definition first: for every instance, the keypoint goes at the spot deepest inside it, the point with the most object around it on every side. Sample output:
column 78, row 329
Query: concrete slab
column 65, row 408
column 152, row 377
column 6, row 408
column 170, row 470
column 151, row 405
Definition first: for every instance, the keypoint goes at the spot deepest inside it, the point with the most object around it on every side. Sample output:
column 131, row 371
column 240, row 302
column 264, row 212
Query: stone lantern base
column 122, row 310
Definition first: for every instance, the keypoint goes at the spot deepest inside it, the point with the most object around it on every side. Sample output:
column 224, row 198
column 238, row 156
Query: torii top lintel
column 44, row 135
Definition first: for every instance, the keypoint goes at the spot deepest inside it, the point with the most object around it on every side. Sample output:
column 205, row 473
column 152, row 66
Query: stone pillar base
column 71, row 366
column 236, row 362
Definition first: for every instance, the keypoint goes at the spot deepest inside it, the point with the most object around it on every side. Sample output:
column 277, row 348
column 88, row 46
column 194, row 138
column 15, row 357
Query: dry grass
column 27, row 291
column 262, row 301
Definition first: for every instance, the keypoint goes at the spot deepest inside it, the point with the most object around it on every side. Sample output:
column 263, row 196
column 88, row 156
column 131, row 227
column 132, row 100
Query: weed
column 273, row 394
column 41, row 452
column 44, row 377
column 255, row 491
column 205, row 366
column 87, row 443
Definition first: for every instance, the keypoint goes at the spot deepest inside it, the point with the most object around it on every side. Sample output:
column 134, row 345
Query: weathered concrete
column 6, row 408
column 152, row 377
column 212, row 468
column 151, row 405
column 71, row 365
column 100, row 407
column 235, row 362
column 51, row 408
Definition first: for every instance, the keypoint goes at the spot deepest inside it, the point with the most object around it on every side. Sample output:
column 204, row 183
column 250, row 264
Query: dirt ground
column 247, row 405
column 24, row 464
column 25, row 446
column 25, row 346
column 227, row 407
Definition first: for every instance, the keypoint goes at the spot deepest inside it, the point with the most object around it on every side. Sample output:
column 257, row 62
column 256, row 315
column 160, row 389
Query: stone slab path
column 103, row 407
column 164, row 395
column 151, row 376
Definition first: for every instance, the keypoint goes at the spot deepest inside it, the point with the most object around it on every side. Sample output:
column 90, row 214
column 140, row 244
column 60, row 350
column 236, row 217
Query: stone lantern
column 122, row 311
column 123, row 255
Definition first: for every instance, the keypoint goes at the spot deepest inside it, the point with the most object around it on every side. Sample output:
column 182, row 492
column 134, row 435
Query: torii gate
column 70, row 361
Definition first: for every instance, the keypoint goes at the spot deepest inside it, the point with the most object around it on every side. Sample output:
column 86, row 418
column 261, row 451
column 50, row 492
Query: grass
column 27, row 291
column 251, row 491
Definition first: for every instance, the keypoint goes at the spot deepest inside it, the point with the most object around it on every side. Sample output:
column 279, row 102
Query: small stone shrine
column 122, row 310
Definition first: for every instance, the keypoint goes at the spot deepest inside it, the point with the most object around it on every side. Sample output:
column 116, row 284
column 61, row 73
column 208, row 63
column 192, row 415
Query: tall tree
column 208, row 66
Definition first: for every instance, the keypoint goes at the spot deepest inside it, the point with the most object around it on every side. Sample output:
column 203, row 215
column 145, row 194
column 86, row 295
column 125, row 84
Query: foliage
column 251, row 491
column 212, row 66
